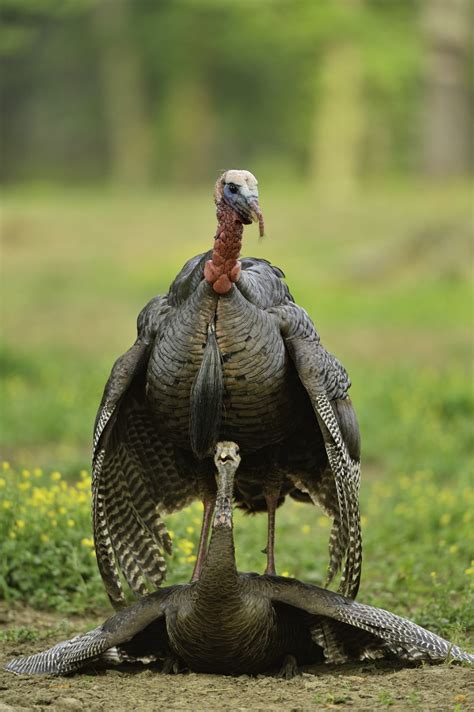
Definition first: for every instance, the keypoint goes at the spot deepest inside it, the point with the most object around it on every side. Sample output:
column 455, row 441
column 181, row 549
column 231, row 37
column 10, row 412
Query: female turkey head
column 227, row 461
column 238, row 190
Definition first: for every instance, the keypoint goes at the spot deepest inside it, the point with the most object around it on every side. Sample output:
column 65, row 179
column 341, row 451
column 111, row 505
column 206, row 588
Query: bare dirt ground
column 352, row 687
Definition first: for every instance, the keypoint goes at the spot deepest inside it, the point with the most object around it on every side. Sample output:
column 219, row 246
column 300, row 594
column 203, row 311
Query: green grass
column 387, row 281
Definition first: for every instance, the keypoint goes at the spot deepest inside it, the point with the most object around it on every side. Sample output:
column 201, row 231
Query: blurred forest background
column 356, row 117
column 157, row 92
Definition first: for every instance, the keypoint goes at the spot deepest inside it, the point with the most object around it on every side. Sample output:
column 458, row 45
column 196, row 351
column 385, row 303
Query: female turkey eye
column 233, row 188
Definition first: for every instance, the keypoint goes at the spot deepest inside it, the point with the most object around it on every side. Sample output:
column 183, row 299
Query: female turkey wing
column 134, row 472
column 349, row 630
column 78, row 652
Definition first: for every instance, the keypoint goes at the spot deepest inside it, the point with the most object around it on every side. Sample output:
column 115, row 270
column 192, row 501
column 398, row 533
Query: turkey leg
column 209, row 504
column 272, row 501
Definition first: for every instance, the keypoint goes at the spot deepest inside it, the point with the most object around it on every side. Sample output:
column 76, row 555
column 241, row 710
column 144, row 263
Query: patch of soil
column 364, row 686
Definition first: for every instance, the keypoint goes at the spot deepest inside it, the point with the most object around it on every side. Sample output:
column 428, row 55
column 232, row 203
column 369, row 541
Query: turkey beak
column 246, row 204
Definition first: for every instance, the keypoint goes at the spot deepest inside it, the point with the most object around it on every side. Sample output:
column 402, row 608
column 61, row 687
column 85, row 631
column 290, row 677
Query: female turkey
column 226, row 354
column 232, row 623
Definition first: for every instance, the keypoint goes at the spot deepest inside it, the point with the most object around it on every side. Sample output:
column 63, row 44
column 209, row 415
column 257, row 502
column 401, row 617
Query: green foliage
column 18, row 635
column 46, row 550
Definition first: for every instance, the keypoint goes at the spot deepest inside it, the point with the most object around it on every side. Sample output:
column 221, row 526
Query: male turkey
column 226, row 354
column 233, row 623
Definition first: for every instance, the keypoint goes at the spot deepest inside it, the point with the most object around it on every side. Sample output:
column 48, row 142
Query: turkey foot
column 289, row 668
column 172, row 665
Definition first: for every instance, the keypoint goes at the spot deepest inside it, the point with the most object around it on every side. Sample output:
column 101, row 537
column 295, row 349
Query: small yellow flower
column 71, row 523
column 20, row 523
column 62, row 510
column 469, row 571
column 6, row 504
column 405, row 482
column 26, row 474
column 433, row 574
column 44, row 538
column 191, row 559
column 190, row 530
column 171, row 534
column 38, row 472
column 93, row 554
column 55, row 476
column 5, row 466
column 454, row 549
column 305, row 529
column 2, row 482
column 285, row 574
column 84, row 474
column 186, row 546
column 12, row 535
column 87, row 541
column 23, row 486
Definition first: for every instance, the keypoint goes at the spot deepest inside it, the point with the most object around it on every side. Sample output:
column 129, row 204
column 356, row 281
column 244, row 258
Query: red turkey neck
column 224, row 268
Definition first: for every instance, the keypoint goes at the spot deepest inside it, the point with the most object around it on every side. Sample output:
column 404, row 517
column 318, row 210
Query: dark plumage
column 226, row 354
column 234, row 623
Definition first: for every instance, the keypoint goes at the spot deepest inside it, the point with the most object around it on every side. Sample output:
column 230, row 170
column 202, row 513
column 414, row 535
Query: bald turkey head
column 238, row 189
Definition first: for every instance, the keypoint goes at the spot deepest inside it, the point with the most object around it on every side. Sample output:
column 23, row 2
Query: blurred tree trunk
column 192, row 130
column 339, row 122
column 127, row 124
column 446, row 109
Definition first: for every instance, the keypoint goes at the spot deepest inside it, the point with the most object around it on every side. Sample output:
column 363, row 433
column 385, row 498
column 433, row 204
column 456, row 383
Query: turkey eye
column 233, row 188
